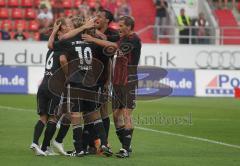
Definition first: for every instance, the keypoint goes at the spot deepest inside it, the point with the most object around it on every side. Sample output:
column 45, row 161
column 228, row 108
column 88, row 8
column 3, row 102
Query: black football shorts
column 123, row 97
column 47, row 103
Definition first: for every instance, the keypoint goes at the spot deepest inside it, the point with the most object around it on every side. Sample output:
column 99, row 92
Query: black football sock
column 106, row 124
column 89, row 136
column 48, row 135
column 86, row 136
column 38, row 129
column 93, row 136
column 62, row 133
column 120, row 132
column 127, row 138
column 77, row 138
column 99, row 129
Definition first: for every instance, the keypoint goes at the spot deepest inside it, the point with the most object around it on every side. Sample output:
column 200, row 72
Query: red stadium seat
column 30, row 13
column 36, row 3
column 2, row 3
column 104, row 3
column 4, row 13
column 68, row 12
column 8, row 22
column 119, row 2
column 67, row 4
column 20, row 23
column 33, row 25
column 26, row 3
column 13, row 3
column 238, row 6
column 17, row 13
column 91, row 4
column 52, row 2
column 77, row 3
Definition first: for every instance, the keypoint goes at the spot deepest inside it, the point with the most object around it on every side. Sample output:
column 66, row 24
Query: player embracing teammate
column 89, row 76
column 127, row 55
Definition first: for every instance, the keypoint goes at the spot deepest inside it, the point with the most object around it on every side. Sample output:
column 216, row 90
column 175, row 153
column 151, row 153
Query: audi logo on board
column 218, row 60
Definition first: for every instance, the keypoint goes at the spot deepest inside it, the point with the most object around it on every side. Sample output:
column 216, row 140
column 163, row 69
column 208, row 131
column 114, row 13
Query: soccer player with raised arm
column 47, row 102
column 103, row 31
column 84, row 71
column 128, row 51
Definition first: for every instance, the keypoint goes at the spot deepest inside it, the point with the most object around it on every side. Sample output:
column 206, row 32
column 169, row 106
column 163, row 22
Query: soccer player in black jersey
column 63, row 114
column 124, row 80
column 47, row 102
column 102, row 22
column 77, row 26
column 84, row 70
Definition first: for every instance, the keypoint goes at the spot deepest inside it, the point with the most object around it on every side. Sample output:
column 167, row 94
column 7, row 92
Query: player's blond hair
column 77, row 21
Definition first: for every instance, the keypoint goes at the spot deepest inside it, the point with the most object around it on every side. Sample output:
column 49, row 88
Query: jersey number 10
column 85, row 55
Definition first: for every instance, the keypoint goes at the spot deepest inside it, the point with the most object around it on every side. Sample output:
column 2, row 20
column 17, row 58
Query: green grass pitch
column 169, row 132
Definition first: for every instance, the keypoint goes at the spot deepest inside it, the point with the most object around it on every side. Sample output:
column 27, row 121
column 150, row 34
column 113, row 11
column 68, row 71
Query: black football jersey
column 112, row 36
column 52, row 63
column 84, row 66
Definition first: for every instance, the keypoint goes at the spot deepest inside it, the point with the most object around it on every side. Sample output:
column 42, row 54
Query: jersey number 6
column 49, row 62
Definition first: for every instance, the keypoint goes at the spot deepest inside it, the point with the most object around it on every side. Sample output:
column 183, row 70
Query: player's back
column 84, row 65
column 52, row 64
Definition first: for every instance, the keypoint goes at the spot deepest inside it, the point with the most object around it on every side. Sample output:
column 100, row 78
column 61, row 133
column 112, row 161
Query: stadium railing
column 216, row 35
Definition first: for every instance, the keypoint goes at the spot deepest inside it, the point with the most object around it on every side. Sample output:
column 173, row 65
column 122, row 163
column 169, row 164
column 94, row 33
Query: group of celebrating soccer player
column 85, row 58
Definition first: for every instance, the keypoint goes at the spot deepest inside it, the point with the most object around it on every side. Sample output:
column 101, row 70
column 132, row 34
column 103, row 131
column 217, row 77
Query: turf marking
column 189, row 137
column 149, row 130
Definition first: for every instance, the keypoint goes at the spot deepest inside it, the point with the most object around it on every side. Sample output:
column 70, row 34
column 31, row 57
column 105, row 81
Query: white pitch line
column 190, row 137
column 151, row 130
column 15, row 109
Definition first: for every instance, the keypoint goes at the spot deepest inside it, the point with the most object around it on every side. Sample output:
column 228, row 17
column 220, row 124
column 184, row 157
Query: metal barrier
column 215, row 36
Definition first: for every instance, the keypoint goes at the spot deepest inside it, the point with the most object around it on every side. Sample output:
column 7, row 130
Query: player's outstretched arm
column 53, row 34
column 89, row 24
column 100, row 42
column 102, row 35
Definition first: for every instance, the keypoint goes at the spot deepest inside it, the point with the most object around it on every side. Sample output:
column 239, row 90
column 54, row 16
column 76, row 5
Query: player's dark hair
column 108, row 15
column 128, row 21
